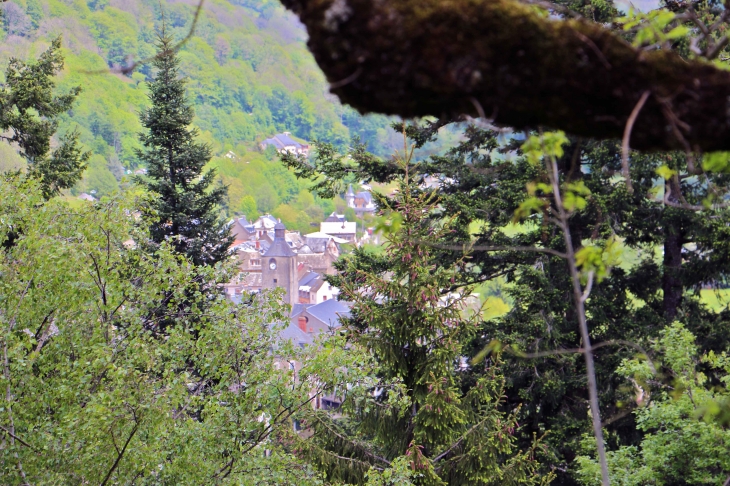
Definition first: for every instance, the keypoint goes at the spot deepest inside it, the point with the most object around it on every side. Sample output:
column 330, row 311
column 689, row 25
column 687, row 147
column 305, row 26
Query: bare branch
column 582, row 322
column 589, row 88
column 627, row 135
column 589, row 286
column 11, row 434
column 120, row 454
column 556, row 352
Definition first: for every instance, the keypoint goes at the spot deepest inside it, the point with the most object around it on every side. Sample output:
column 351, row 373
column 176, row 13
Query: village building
column 313, row 289
column 322, row 317
column 342, row 229
column 283, row 143
column 280, row 266
column 266, row 252
column 362, row 202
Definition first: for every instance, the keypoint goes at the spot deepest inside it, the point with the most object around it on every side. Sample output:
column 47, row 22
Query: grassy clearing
column 717, row 300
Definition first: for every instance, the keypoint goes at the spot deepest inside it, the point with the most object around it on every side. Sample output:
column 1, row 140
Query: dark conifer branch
column 430, row 57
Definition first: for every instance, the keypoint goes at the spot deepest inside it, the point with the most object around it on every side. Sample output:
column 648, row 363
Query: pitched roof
column 282, row 140
column 252, row 280
column 279, row 248
column 315, row 260
column 286, row 139
column 366, row 196
column 297, row 309
column 330, row 312
column 338, row 228
column 308, row 279
column 293, row 333
column 266, row 221
column 335, row 218
column 325, row 236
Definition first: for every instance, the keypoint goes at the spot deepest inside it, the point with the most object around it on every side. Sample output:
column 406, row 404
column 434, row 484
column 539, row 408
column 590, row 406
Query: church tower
column 350, row 197
column 279, row 267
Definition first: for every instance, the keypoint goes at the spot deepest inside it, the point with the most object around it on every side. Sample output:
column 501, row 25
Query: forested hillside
column 250, row 76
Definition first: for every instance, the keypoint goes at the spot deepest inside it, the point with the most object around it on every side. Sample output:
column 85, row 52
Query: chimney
column 302, row 321
column 258, row 245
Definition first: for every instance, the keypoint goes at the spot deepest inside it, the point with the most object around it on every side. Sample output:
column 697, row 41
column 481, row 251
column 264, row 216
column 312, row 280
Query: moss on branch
column 453, row 57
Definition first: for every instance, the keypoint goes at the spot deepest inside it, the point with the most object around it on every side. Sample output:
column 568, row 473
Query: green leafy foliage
column 672, row 419
column 90, row 395
column 250, row 74
column 484, row 181
column 656, row 26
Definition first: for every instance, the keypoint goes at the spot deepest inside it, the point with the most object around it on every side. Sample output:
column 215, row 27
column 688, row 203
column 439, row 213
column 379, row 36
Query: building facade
column 279, row 266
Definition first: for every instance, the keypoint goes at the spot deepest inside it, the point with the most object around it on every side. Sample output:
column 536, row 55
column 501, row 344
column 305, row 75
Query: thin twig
column 120, row 455
column 487, row 248
column 589, row 286
column 12, row 435
column 594, row 48
column 128, row 69
column 344, row 82
column 627, row 135
column 583, row 324
column 554, row 352
column 683, row 204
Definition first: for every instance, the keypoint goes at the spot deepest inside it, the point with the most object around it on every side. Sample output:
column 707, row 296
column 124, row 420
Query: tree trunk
column 671, row 276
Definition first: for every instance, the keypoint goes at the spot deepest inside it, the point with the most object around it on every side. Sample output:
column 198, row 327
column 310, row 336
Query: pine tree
column 29, row 112
column 431, row 424
column 482, row 190
column 184, row 200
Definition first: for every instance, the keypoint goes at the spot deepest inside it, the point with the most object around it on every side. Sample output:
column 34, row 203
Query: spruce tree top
column 183, row 204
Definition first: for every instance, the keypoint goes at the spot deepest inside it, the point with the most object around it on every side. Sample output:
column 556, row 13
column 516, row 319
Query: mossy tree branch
column 502, row 59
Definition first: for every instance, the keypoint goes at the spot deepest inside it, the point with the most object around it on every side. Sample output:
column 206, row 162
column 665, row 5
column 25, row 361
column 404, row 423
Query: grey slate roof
column 281, row 140
column 335, row 218
column 297, row 309
column 330, row 312
column 293, row 333
column 317, row 245
column 308, row 279
column 279, row 248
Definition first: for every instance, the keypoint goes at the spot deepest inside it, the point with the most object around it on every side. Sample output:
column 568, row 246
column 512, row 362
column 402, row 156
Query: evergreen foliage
column 30, row 110
column 250, row 74
column 447, row 429
column 485, row 184
column 183, row 205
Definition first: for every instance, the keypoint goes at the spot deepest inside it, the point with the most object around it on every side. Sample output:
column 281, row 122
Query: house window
column 255, row 263
column 324, row 297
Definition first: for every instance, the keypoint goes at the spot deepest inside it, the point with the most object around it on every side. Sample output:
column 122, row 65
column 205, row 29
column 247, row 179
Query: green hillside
column 250, row 76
